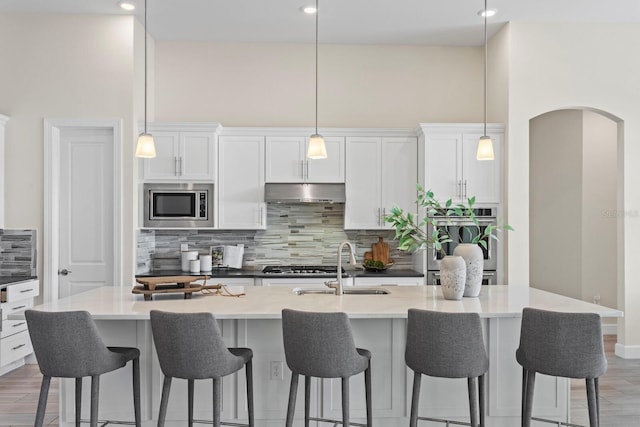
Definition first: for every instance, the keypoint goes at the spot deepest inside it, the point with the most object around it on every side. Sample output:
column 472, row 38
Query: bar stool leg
column 345, row 401
column 597, row 384
column 481, row 399
column 95, row 397
column 164, row 400
column 42, row 401
column 523, row 403
column 531, row 382
column 592, row 402
column 291, row 407
column 473, row 398
column 367, row 387
column 307, row 399
column 415, row 399
column 78, row 401
column 136, row 391
column 249, row 373
column 190, row 385
column 216, row 401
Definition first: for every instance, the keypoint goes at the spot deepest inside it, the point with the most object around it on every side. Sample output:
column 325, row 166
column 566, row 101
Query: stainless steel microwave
column 178, row 205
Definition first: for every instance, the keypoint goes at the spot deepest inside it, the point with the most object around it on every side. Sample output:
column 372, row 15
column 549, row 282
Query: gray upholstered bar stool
column 447, row 345
column 67, row 345
column 561, row 345
column 321, row 345
column 190, row 346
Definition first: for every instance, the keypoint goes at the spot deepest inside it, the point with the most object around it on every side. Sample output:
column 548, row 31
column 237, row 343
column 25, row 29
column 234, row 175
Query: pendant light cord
column 485, row 67
column 145, row 66
column 317, row 12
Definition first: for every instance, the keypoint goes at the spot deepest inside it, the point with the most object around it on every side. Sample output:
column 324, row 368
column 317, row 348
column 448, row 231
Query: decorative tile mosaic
column 306, row 234
column 18, row 253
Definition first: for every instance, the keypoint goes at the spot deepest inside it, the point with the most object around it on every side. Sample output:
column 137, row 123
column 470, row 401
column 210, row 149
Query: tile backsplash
column 296, row 234
column 18, row 253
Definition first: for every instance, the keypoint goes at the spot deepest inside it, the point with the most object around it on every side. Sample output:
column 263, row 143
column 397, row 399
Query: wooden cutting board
column 380, row 251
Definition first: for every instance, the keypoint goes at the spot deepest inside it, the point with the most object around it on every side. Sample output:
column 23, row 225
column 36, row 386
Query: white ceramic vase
column 453, row 275
column 474, row 260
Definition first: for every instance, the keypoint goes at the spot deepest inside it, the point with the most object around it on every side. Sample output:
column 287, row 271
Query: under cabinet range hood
column 304, row 193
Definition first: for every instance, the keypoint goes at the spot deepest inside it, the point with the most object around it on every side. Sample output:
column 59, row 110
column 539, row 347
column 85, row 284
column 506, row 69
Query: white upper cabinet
column 181, row 154
column 381, row 173
column 450, row 168
column 241, row 183
column 286, row 160
column 3, row 122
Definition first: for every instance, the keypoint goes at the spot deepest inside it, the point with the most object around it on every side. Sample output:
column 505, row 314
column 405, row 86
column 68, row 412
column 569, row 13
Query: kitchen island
column 379, row 324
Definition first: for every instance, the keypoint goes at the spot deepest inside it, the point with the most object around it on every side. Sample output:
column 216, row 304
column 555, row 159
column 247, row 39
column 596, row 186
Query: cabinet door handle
column 181, row 166
column 176, row 168
column 26, row 290
column 17, row 325
column 384, row 215
column 306, row 170
column 261, row 215
column 18, row 346
column 465, row 189
column 20, row 307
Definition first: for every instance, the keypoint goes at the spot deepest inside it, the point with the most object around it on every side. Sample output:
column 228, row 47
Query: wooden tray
column 150, row 283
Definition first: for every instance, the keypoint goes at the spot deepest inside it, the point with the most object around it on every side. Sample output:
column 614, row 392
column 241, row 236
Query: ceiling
column 412, row 22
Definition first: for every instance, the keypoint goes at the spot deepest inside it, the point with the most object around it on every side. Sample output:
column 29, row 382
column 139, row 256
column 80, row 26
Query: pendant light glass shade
column 145, row 148
column 485, row 149
column 316, row 149
column 485, row 145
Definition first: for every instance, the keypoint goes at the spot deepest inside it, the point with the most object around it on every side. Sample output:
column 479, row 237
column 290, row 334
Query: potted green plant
column 412, row 236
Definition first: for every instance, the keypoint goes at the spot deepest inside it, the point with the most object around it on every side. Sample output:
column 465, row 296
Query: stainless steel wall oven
column 463, row 230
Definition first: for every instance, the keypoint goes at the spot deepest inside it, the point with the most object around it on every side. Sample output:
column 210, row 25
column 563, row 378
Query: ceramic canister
column 194, row 266
column 186, row 257
column 205, row 263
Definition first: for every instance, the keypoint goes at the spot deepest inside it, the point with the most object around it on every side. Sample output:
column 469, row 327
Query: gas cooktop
column 329, row 270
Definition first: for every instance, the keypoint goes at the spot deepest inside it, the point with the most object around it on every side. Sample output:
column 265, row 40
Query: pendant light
column 317, row 149
column 485, row 145
column 145, row 148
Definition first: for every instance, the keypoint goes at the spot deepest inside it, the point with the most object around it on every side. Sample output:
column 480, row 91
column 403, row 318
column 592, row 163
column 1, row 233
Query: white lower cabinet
column 389, row 281
column 308, row 283
column 15, row 343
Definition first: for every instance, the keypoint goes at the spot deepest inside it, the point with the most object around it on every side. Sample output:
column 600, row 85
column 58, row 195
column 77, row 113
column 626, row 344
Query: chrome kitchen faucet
column 337, row 284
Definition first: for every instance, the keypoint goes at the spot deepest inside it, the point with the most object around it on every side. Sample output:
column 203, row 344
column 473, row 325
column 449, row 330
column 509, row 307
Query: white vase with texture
column 474, row 261
column 453, row 275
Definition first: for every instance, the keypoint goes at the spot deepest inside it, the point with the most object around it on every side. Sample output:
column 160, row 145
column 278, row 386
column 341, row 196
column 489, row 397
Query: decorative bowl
column 370, row 266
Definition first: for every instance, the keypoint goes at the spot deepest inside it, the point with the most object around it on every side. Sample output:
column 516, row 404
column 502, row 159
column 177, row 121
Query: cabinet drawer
column 16, row 306
column 14, row 347
column 21, row 291
column 10, row 327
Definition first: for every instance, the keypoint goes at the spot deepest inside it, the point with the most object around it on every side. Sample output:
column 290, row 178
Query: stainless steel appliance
column 301, row 270
column 463, row 230
column 304, row 193
column 178, row 205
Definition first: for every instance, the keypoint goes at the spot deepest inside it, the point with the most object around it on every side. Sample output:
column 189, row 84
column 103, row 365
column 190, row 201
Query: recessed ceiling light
column 310, row 10
column 489, row 13
column 127, row 5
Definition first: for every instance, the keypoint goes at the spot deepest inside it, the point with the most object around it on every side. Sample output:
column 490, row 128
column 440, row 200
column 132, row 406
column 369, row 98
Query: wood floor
column 619, row 395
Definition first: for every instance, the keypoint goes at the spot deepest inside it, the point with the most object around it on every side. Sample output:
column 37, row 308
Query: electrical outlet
column 184, row 247
column 276, row 370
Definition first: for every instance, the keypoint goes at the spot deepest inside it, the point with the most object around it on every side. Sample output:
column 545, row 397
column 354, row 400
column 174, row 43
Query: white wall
column 359, row 85
column 61, row 66
column 556, row 66
column 555, row 197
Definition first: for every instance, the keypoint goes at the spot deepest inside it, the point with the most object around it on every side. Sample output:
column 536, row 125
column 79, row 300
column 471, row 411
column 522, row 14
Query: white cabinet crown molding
column 182, row 126
column 430, row 128
column 298, row 131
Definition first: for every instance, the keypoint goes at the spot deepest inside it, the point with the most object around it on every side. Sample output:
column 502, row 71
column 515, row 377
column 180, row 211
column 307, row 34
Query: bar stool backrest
column 447, row 345
column 561, row 344
column 67, row 344
column 190, row 346
column 320, row 344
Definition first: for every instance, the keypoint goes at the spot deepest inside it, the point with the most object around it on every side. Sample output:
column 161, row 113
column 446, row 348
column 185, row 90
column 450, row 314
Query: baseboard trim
column 627, row 351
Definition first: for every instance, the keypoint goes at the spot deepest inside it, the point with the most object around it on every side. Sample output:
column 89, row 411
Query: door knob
column 64, row 272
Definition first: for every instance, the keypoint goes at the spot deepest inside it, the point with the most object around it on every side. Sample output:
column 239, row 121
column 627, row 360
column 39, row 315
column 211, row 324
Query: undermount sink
column 347, row 291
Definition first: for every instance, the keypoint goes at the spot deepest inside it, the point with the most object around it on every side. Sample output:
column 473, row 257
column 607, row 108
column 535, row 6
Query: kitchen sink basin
column 347, row 291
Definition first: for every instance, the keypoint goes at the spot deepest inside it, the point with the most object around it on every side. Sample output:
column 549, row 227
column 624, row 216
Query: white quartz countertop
column 113, row 303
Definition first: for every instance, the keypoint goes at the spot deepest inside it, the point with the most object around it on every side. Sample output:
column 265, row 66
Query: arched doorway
column 573, row 187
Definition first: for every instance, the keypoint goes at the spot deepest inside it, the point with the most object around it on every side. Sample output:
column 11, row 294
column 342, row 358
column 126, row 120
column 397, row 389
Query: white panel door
column 363, row 210
column 197, row 161
column 86, row 245
column 481, row 178
column 443, row 173
column 330, row 169
column 241, row 183
column 399, row 174
column 285, row 157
